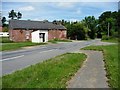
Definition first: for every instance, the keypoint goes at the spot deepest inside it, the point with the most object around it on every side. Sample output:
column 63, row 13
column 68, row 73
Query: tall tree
column 104, row 15
column 76, row 31
column 62, row 21
column 107, row 20
column 3, row 21
column 12, row 14
column 19, row 15
column 90, row 22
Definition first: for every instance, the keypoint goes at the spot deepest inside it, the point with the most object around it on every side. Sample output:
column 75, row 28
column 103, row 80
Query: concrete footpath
column 92, row 74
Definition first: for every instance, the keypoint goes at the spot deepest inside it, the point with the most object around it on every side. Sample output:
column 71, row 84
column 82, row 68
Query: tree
column 76, row 31
column 98, row 31
column 80, row 31
column 111, row 22
column 90, row 22
column 19, row 15
column 110, row 18
column 63, row 22
column 3, row 21
column 12, row 14
column 104, row 15
column 5, row 29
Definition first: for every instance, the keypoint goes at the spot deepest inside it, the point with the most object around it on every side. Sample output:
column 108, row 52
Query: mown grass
column 0, row 83
column 53, row 73
column 59, row 40
column 10, row 45
column 113, row 40
column 13, row 46
column 5, row 40
column 111, row 62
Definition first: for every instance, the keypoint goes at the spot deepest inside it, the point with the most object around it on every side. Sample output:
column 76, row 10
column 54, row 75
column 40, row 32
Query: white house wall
column 36, row 38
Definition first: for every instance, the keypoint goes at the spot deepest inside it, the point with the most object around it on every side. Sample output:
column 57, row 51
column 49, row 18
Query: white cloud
column 26, row 8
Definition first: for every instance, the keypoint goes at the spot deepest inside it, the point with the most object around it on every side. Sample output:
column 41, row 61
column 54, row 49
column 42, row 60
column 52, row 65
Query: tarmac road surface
column 19, row 59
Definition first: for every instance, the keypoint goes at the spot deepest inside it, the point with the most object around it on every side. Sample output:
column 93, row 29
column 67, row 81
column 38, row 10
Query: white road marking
column 12, row 58
column 21, row 56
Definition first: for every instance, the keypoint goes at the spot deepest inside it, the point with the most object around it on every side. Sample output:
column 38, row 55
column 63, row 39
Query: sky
column 70, row 11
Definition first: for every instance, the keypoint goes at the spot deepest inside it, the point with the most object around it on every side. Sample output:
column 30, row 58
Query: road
column 19, row 59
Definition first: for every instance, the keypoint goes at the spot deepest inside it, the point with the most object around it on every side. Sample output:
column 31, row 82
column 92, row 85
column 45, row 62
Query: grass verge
column 53, row 73
column 113, row 40
column 58, row 40
column 5, row 40
column 111, row 62
column 13, row 46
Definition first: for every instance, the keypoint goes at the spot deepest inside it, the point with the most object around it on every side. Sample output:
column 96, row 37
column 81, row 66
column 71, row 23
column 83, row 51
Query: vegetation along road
column 64, row 65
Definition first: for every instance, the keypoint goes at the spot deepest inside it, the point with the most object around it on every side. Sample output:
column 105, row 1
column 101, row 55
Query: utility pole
column 108, row 29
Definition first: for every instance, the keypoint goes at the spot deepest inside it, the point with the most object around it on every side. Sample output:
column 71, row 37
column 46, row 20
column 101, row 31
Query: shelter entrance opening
column 42, row 36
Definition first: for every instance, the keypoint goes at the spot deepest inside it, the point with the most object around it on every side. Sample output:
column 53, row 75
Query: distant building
column 35, row 31
column 3, row 34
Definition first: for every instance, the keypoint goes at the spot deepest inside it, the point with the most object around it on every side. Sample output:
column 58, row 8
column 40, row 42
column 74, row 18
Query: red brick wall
column 19, row 35
column 0, row 29
column 60, row 34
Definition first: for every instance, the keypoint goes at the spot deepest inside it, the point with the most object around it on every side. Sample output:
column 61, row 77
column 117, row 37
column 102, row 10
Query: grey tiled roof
column 28, row 24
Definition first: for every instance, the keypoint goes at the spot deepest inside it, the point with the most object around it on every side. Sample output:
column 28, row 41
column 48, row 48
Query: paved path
column 91, row 74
